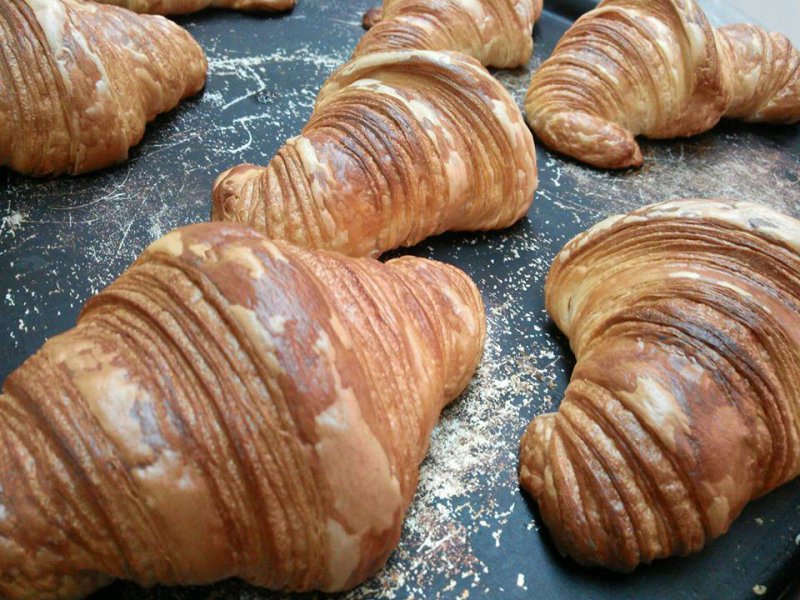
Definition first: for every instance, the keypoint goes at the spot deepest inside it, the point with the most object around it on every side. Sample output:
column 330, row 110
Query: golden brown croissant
column 80, row 81
column 683, row 406
column 230, row 407
column 179, row 7
column 656, row 68
column 401, row 146
column 497, row 33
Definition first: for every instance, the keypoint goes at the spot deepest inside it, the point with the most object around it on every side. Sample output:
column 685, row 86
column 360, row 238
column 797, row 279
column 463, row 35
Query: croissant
column 80, row 81
column 497, row 33
column 401, row 146
column 230, row 407
column 683, row 406
column 179, row 7
column 656, row 68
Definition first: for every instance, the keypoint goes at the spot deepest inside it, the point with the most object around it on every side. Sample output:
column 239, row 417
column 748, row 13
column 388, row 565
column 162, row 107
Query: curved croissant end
column 656, row 68
column 278, row 401
column 401, row 146
column 181, row 7
column 683, row 404
column 765, row 75
column 82, row 80
column 498, row 33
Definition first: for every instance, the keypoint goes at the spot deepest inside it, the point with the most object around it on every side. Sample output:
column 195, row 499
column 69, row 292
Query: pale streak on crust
column 278, row 400
column 658, row 409
column 401, row 145
column 368, row 496
column 171, row 243
column 683, row 403
column 656, row 68
column 52, row 17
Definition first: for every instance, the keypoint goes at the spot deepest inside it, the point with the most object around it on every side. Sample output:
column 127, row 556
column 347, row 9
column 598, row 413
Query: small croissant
column 181, row 7
column 683, row 406
column 401, row 146
column 230, row 407
column 79, row 81
column 656, row 68
column 498, row 33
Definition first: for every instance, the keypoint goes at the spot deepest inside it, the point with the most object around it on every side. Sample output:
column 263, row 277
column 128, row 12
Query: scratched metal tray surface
column 470, row 531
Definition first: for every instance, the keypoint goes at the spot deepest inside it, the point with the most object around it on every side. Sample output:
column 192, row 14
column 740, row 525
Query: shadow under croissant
column 674, row 567
column 455, row 240
column 210, row 14
column 232, row 588
column 163, row 122
column 698, row 146
column 694, row 147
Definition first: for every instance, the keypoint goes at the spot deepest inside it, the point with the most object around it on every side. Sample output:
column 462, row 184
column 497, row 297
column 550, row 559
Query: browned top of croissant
column 497, row 33
column 683, row 404
column 401, row 146
column 178, row 7
column 81, row 80
column 230, row 407
column 656, row 68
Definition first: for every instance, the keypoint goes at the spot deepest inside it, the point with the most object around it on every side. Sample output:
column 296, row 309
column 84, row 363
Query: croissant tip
column 531, row 455
column 637, row 160
column 226, row 192
column 629, row 158
column 634, row 162
column 372, row 17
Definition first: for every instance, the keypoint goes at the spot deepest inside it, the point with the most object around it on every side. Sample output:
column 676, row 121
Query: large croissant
column 230, row 407
column 656, row 68
column 497, row 33
column 79, row 81
column 179, row 7
column 684, row 403
column 401, row 146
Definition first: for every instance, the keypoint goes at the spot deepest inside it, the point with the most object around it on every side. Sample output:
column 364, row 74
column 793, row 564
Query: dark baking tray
column 470, row 530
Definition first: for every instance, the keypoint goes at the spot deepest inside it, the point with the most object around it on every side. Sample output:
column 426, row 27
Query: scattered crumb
column 759, row 590
column 496, row 535
column 12, row 222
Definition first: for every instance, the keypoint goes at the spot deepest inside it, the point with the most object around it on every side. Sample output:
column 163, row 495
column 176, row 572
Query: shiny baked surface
column 230, row 407
column 469, row 494
column 659, row 69
column 683, row 404
column 81, row 81
column 402, row 145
